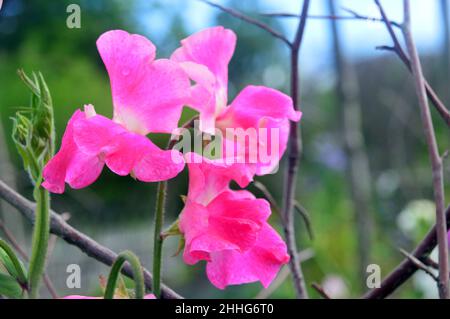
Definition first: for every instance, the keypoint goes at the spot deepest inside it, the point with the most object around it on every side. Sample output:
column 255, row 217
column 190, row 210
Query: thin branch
column 306, row 218
column 354, row 16
column 435, row 158
column 293, row 162
column 249, row 20
column 397, row 48
column 419, row 264
column 430, row 262
column 320, row 290
column 407, row 268
column 76, row 238
column 13, row 241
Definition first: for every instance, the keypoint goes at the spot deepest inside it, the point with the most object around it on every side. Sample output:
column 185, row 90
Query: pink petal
column 260, row 263
column 126, row 152
column 267, row 112
column 208, row 178
column 256, row 102
column 70, row 164
column 211, row 48
column 231, row 221
column 148, row 95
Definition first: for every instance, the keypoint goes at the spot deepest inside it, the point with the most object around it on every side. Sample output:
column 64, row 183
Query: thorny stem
column 435, row 158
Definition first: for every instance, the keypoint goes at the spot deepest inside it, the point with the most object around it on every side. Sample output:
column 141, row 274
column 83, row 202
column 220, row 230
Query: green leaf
column 12, row 264
column 33, row 127
column 9, row 287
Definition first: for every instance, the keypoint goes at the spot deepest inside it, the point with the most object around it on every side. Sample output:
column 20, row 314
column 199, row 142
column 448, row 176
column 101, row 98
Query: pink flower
column 205, row 57
column 148, row 96
column 227, row 228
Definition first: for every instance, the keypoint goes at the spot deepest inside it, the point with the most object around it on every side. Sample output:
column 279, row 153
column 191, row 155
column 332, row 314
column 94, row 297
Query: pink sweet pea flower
column 148, row 96
column 227, row 228
column 205, row 56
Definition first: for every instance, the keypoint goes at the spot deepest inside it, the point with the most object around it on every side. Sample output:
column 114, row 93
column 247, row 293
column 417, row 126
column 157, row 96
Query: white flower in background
column 335, row 287
column 424, row 283
column 415, row 215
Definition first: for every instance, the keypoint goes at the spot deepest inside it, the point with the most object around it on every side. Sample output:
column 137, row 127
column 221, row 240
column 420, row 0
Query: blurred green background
column 390, row 192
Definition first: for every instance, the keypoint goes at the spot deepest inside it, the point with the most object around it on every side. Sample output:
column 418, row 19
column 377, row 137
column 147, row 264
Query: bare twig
column 354, row 16
column 293, row 162
column 407, row 268
column 430, row 262
column 320, row 290
column 74, row 237
column 306, row 218
column 435, row 158
column 12, row 240
column 419, row 264
column 249, row 20
column 397, row 48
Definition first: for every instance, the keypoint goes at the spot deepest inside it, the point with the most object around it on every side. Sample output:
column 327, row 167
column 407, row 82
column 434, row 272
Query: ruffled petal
column 231, row 221
column 205, row 56
column 208, row 178
column 260, row 263
column 126, row 152
column 263, row 114
column 70, row 164
column 148, row 95
column 212, row 47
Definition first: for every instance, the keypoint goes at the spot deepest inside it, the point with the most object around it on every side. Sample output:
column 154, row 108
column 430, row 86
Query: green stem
column 157, row 239
column 40, row 240
column 21, row 276
column 138, row 275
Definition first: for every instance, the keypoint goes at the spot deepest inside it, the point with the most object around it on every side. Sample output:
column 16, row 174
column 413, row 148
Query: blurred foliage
column 34, row 36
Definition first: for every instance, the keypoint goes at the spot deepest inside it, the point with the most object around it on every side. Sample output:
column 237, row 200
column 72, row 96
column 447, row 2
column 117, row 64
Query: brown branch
column 76, row 238
column 420, row 265
column 354, row 16
column 407, row 268
column 435, row 157
column 15, row 244
column 320, row 290
column 293, row 162
column 397, row 48
column 306, row 218
column 249, row 20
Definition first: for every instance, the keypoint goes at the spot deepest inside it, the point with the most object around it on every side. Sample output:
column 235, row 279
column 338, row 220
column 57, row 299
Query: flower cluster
column 227, row 228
